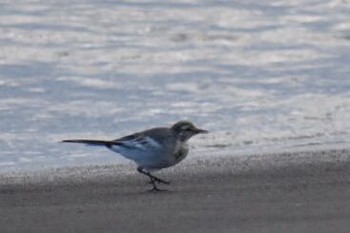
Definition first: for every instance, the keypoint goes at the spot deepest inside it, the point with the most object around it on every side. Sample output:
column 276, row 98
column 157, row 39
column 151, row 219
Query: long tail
column 91, row 142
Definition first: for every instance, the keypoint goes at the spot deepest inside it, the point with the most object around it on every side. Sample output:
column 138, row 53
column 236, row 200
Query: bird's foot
column 156, row 189
column 158, row 180
column 153, row 179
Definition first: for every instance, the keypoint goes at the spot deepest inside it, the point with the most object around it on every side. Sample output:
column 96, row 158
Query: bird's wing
column 152, row 139
column 143, row 141
column 137, row 141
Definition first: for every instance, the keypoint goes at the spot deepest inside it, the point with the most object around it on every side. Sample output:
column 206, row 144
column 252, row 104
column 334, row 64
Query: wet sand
column 285, row 192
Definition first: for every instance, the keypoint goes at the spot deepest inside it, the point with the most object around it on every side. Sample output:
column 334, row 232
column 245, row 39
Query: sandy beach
column 282, row 192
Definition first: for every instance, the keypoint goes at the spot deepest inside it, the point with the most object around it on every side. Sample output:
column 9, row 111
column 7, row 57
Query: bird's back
column 151, row 148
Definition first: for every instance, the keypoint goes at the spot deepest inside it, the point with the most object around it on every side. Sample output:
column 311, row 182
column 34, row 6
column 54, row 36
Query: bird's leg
column 156, row 179
column 155, row 188
column 153, row 178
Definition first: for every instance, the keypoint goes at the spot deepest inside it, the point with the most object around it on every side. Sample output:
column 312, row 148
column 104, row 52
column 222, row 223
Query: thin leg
column 154, row 188
column 153, row 179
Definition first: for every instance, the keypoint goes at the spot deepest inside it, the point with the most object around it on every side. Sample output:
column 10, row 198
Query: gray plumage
column 152, row 149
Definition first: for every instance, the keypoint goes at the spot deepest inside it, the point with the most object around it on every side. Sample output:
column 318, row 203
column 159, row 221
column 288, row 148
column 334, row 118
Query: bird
column 152, row 149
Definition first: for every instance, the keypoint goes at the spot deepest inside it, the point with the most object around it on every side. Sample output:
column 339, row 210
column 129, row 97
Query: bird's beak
column 198, row 131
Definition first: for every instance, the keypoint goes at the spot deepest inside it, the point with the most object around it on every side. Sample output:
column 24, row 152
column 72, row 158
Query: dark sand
column 287, row 192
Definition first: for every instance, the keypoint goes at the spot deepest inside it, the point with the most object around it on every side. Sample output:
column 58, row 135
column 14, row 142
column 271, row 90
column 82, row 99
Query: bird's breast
column 181, row 151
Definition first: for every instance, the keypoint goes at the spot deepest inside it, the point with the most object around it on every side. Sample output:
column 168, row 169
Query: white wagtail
column 152, row 149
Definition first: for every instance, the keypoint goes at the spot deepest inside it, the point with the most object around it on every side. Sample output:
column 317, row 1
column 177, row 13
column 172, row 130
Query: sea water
column 256, row 74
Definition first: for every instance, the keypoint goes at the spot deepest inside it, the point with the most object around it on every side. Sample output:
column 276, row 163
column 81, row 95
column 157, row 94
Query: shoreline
column 288, row 192
column 207, row 152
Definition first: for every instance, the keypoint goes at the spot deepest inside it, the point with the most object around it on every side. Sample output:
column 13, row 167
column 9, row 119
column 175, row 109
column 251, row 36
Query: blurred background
column 260, row 75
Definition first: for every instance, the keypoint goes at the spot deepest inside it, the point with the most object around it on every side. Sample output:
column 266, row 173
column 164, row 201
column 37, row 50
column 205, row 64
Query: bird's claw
column 160, row 181
column 156, row 189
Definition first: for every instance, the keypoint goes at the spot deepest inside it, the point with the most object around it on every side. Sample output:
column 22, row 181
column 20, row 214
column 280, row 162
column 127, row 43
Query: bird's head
column 186, row 129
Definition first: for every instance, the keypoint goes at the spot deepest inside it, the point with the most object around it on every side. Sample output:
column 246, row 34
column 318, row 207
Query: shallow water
column 256, row 74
